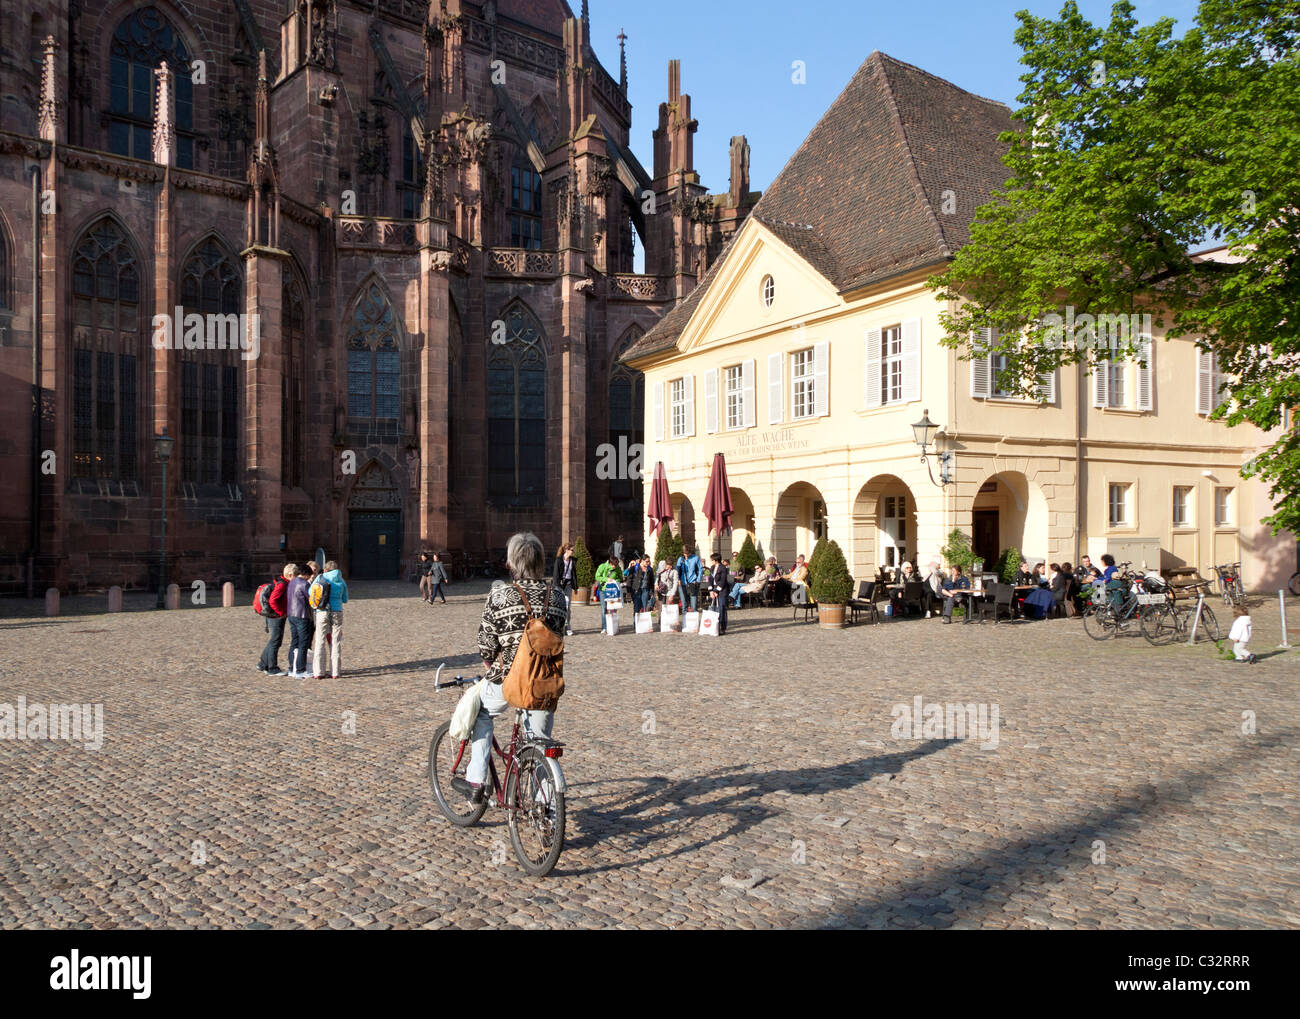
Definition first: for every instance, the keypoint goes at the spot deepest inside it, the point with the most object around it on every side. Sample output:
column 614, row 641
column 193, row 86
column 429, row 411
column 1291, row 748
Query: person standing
column 329, row 622
column 269, row 663
column 564, row 577
column 669, row 586
column 437, row 577
column 689, row 571
column 300, row 624
column 720, row 585
column 616, row 549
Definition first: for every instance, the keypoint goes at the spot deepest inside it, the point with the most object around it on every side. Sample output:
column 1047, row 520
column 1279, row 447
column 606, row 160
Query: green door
column 374, row 544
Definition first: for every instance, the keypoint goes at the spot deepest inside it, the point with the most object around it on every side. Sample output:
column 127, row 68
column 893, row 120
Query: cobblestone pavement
column 748, row 781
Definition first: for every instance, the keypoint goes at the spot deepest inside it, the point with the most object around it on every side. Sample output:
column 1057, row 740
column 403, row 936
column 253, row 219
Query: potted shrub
column 1008, row 566
column 583, row 572
column 832, row 587
column 747, row 559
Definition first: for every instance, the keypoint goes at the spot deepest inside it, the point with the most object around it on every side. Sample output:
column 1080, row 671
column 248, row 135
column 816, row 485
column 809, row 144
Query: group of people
column 311, row 630
column 432, row 574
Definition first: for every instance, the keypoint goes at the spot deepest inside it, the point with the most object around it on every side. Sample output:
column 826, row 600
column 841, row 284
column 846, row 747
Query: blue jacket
column 962, row 583
column 338, row 590
column 689, row 569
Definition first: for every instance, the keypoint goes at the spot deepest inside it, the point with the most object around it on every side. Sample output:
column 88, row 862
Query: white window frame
column 1126, row 503
column 681, row 411
column 1188, row 520
column 1223, row 508
column 1209, row 382
column 734, row 392
column 803, row 384
column 1117, row 379
column 892, row 373
column 767, row 291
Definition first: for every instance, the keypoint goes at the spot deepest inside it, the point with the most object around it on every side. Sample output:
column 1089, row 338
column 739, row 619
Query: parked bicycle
column 532, row 793
column 1123, row 606
column 1294, row 583
column 1166, row 622
column 1229, row 577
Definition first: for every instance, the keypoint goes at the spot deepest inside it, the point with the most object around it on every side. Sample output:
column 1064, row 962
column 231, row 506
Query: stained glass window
column 517, row 412
column 211, row 286
column 142, row 41
column 374, row 364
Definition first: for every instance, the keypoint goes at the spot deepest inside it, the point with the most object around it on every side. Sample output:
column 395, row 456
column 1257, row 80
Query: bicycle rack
column 1196, row 620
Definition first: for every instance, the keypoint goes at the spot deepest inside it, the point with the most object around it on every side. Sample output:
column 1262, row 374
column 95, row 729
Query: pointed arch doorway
column 375, row 525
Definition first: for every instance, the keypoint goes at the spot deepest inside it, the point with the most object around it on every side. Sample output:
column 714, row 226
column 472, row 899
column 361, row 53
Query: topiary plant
column 958, row 551
column 747, row 558
column 1008, row 566
column 668, row 548
column 583, row 570
column 831, row 583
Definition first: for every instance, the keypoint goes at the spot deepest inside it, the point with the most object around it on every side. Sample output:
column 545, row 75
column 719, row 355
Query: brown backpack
column 536, row 677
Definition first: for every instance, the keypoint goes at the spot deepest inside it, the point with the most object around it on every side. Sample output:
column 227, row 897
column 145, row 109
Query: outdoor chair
column 914, row 594
column 802, row 600
column 1003, row 598
column 865, row 601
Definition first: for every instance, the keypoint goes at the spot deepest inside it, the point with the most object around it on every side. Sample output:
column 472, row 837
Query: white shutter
column 711, row 400
column 1047, row 386
column 1101, row 383
column 690, row 405
column 1220, row 379
column 1145, row 376
column 822, row 379
column 1204, row 382
column 750, row 409
column 775, row 382
column 981, row 372
column 659, row 411
column 871, row 358
column 911, row 360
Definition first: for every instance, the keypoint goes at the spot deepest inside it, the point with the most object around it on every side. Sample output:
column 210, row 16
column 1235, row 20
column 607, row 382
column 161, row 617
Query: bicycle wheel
column 535, row 806
column 443, row 767
column 1160, row 624
column 1100, row 623
column 1294, row 584
column 1209, row 628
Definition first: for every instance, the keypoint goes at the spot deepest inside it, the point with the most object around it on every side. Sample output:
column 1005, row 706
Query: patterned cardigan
column 503, row 622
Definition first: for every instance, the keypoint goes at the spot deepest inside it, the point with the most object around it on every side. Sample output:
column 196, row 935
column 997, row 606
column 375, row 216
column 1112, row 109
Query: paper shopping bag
column 611, row 623
column 645, row 622
column 669, row 618
column 709, row 623
column 691, row 622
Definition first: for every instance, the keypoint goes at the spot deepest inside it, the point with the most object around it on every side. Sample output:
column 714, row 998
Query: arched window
column 143, row 41
column 626, row 416
column 517, row 412
column 106, row 322
column 409, row 187
column 211, row 286
column 293, row 328
column 4, row 271
column 374, row 365
column 525, row 201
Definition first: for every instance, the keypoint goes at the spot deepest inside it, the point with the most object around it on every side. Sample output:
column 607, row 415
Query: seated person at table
column 907, row 576
column 797, row 577
column 1064, row 589
column 754, row 587
column 1108, row 574
column 933, row 586
column 1040, row 576
column 955, row 585
column 1025, row 576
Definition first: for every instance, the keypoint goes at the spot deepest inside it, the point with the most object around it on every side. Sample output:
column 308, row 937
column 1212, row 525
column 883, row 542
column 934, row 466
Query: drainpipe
column 1081, row 409
column 34, row 541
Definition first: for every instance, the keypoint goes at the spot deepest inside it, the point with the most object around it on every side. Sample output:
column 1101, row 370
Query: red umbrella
column 661, row 505
column 717, row 500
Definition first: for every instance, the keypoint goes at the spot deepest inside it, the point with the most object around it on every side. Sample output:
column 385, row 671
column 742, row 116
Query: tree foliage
column 669, row 547
column 958, row 550
column 584, row 571
column 1139, row 147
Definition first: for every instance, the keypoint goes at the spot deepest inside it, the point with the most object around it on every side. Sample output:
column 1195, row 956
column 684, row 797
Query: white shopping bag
column 645, row 622
column 611, row 623
column 691, row 622
column 669, row 618
column 709, row 623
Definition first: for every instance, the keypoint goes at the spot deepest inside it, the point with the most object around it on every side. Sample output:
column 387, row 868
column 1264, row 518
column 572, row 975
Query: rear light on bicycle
column 554, row 751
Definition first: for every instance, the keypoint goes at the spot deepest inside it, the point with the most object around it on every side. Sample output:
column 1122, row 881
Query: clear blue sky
column 736, row 61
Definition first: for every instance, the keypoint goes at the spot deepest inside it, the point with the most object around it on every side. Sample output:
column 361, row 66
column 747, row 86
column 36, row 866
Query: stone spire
column 262, row 114
column 739, row 170
column 164, row 125
column 50, row 115
column 622, row 61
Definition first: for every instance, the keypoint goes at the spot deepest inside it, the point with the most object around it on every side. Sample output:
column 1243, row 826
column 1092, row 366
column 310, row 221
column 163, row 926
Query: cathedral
column 279, row 275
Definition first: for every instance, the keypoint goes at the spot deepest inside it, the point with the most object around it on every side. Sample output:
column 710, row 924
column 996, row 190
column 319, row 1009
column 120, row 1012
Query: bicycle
column 1294, row 583
column 532, row 794
column 1109, row 614
column 1167, row 623
column 1229, row 576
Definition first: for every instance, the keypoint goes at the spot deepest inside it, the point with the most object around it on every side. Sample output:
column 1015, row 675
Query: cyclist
column 499, row 633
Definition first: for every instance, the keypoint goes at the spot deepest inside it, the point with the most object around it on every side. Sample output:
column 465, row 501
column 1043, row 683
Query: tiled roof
column 864, row 196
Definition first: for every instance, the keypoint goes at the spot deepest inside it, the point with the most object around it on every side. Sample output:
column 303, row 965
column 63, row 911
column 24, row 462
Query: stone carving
column 637, row 285
column 413, row 469
column 583, row 285
column 521, row 261
column 440, row 261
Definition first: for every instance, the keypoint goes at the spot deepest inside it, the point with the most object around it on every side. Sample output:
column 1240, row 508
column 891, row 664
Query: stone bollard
column 173, row 596
column 114, row 599
column 228, row 595
column 52, row 601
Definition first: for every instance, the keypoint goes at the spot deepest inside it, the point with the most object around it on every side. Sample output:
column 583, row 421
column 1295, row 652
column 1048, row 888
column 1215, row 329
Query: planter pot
column 830, row 617
column 582, row 595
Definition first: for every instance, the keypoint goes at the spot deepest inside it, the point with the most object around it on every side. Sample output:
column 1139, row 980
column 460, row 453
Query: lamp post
column 924, row 432
column 162, row 445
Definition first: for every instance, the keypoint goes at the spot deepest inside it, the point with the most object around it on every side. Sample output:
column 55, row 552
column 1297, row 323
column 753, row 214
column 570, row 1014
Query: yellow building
column 811, row 348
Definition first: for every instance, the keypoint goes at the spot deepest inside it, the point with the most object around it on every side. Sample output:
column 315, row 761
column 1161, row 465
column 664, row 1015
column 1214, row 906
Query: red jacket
column 279, row 597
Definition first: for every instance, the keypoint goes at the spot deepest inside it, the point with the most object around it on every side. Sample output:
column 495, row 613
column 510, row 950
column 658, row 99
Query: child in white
column 1240, row 635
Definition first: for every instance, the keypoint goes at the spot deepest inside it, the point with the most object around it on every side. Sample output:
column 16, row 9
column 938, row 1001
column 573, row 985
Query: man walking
column 437, row 577
column 720, row 583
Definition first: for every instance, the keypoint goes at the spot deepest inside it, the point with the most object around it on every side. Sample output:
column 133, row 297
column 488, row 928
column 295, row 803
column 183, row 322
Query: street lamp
column 924, row 432
column 162, row 445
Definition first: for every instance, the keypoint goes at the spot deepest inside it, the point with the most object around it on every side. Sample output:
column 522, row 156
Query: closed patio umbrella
column 661, row 505
column 718, row 507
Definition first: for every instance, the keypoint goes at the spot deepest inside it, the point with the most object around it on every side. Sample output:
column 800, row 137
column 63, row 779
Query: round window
column 769, row 291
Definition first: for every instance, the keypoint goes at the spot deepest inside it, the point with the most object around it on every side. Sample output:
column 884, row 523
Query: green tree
column 958, row 551
column 831, row 583
column 668, row 548
column 747, row 558
column 1138, row 147
column 583, row 570
column 1008, row 565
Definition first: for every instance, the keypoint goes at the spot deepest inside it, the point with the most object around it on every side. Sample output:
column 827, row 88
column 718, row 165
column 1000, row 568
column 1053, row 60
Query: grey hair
column 525, row 557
